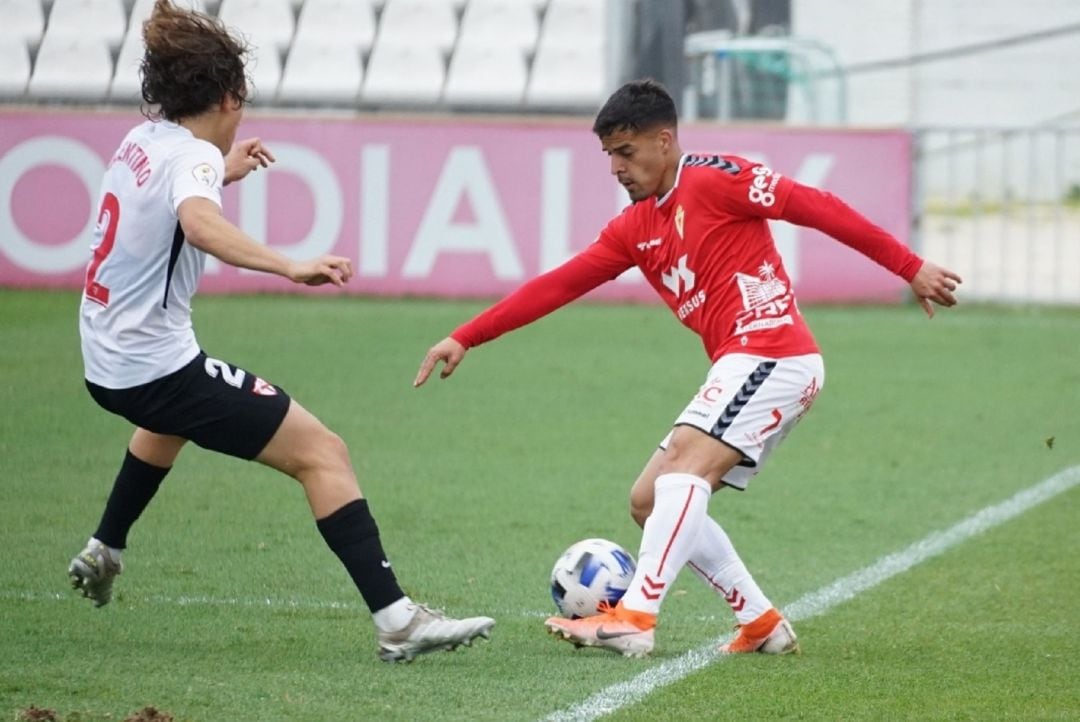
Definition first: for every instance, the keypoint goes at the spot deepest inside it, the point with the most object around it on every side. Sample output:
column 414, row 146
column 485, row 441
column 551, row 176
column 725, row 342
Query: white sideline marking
column 617, row 696
column 246, row 602
column 189, row 601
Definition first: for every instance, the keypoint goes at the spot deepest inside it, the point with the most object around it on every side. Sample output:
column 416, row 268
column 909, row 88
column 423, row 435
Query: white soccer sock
column 396, row 616
column 113, row 552
column 670, row 535
column 718, row 564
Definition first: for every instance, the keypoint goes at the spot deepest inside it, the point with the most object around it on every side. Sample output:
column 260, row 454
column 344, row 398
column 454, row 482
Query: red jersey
column 706, row 248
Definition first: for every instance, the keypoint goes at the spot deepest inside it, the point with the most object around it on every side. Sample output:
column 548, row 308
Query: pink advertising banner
column 444, row 207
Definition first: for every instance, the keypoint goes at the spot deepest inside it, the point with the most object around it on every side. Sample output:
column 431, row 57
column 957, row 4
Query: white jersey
column 135, row 319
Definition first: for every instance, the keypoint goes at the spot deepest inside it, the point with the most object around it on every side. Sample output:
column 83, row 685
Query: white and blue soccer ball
column 589, row 572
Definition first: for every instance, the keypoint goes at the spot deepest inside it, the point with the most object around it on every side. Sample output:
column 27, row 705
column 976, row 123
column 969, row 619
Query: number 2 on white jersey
column 107, row 221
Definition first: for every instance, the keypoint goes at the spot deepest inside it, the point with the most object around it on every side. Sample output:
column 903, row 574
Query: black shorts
column 218, row 406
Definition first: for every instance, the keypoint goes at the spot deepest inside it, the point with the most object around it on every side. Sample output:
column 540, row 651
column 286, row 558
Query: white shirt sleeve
column 197, row 169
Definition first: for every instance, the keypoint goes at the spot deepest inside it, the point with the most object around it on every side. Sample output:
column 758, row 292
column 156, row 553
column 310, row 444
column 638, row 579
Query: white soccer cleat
column 430, row 631
column 94, row 570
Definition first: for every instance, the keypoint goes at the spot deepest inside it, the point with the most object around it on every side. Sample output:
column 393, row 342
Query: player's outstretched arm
column 209, row 231
column 532, row 300
column 936, row 284
column 449, row 351
column 245, row 156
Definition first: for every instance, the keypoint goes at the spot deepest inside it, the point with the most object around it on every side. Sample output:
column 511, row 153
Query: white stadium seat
column 89, row 20
column 455, row 5
column 70, row 66
column 493, row 75
column 428, row 23
column 567, row 76
column 126, row 83
column 569, row 69
column 321, row 73
column 260, row 22
column 571, row 22
column 14, row 66
column 338, row 21
column 264, row 73
column 404, row 74
column 500, row 22
column 22, row 19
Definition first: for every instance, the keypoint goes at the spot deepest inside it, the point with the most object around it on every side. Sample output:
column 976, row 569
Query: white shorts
column 751, row 403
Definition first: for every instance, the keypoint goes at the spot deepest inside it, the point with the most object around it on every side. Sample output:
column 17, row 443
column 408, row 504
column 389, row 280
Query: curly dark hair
column 636, row 106
column 191, row 63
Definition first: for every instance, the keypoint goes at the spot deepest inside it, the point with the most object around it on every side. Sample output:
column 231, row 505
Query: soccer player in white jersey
column 160, row 216
column 698, row 231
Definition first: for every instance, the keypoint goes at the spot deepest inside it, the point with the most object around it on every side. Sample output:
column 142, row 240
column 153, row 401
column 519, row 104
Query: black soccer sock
column 352, row 534
column 135, row 486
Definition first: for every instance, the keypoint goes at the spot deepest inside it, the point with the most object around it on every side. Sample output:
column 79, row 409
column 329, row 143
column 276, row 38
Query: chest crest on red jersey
column 767, row 300
column 680, row 216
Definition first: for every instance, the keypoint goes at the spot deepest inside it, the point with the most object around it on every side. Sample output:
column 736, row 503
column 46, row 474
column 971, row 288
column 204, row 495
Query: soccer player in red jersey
column 698, row 231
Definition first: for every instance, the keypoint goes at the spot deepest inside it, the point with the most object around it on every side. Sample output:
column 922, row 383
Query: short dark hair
column 191, row 63
column 636, row 106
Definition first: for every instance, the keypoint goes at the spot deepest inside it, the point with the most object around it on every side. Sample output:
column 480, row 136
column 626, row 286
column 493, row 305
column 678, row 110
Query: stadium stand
column 361, row 54
column 14, row 67
column 427, row 23
column 23, row 19
column 499, row 22
column 566, row 73
column 569, row 67
column 306, row 81
column 265, row 24
column 264, row 72
column 126, row 82
column 70, row 66
column 403, row 74
column 471, row 80
column 89, row 20
column 346, row 22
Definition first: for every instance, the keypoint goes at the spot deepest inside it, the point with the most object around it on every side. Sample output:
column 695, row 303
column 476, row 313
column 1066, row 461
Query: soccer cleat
column 769, row 634
column 93, row 571
column 430, row 631
column 621, row 630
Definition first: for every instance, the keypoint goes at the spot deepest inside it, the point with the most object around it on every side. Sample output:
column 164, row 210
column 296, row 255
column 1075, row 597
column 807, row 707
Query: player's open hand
column 246, row 156
column 449, row 351
column 936, row 284
column 322, row 270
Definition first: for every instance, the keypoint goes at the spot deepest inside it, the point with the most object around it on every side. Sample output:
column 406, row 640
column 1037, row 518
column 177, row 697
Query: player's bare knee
column 709, row 461
column 332, row 452
column 318, row 454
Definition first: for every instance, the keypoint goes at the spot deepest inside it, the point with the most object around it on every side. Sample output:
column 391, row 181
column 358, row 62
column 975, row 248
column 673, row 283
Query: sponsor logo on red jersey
column 763, row 187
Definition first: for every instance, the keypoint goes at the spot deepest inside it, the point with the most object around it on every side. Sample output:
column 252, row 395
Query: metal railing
column 1002, row 208
column 785, row 78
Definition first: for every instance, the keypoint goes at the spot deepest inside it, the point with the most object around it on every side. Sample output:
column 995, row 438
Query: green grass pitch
column 231, row 608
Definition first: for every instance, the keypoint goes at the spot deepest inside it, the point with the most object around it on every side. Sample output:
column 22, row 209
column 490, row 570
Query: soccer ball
column 589, row 572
